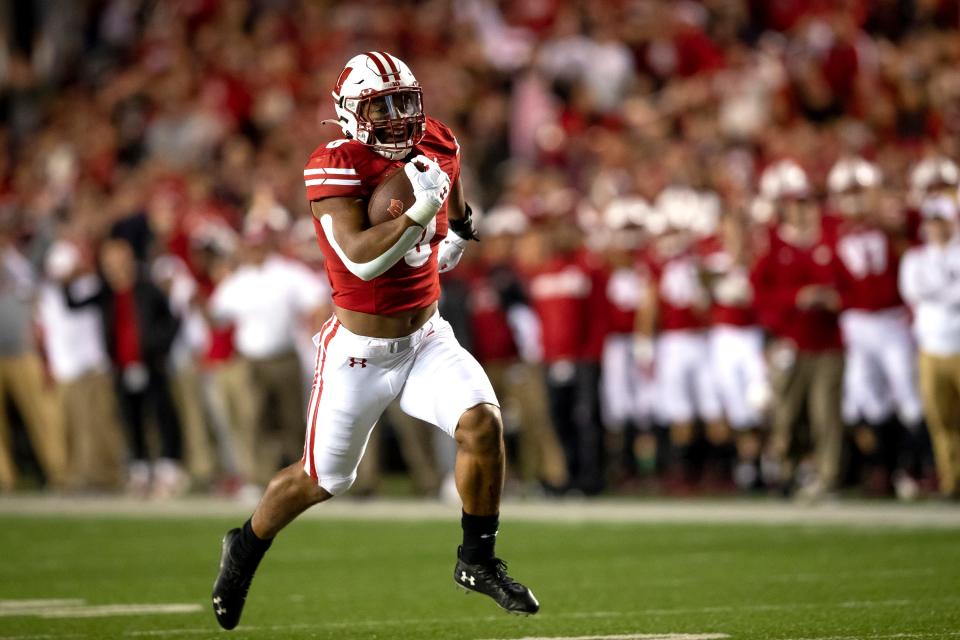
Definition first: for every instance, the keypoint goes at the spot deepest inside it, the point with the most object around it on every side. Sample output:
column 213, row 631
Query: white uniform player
column 880, row 373
column 627, row 388
column 736, row 340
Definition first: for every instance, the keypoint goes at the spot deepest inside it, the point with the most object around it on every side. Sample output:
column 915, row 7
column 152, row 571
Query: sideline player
column 386, row 339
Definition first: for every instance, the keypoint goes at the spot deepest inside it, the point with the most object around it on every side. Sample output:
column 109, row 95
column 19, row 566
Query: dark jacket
column 156, row 324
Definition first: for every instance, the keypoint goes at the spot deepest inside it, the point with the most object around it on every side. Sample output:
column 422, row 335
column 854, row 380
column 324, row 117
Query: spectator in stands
column 798, row 301
column 139, row 330
column 930, row 283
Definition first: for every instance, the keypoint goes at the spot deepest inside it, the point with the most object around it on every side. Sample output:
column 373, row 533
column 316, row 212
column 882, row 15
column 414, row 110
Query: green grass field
column 380, row 579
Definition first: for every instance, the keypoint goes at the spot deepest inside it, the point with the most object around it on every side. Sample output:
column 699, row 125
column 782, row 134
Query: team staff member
column 507, row 341
column 562, row 289
column 930, row 283
column 139, row 330
column 265, row 299
column 798, row 304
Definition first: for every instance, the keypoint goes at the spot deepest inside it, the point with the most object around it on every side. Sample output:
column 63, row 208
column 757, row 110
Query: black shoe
column 491, row 579
column 233, row 581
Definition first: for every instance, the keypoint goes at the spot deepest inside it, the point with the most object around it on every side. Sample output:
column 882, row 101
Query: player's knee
column 480, row 429
column 336, row 485
column 295, row 484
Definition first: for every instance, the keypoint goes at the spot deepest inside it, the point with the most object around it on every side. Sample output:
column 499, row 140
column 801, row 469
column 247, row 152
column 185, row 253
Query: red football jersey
column 778, row 277
column 871, row 267
column 561, row 293
column 731, row 292
column 348, row 169
column 624, row 293
column 679, row 290
column 491, row 336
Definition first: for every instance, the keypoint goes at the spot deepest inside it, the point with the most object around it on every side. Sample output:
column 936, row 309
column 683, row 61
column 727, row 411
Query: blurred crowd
column 719, row 238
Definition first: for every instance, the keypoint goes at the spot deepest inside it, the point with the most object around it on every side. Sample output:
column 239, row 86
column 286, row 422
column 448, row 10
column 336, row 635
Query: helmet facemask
column 390, row 121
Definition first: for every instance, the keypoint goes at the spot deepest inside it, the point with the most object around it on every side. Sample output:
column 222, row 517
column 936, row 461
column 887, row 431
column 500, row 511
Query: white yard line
column 72, row 608
column 37, row 603
column 108, row 610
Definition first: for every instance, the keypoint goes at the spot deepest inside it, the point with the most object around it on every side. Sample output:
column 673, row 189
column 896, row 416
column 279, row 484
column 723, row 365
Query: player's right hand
column 430, row 184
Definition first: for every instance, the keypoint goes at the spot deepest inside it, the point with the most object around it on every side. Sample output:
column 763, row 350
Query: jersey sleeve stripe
column 312, row 183
column 334, row 171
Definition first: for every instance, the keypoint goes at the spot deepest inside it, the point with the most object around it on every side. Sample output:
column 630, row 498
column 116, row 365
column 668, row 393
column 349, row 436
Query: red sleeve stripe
column 330, row 171
column 313, row 183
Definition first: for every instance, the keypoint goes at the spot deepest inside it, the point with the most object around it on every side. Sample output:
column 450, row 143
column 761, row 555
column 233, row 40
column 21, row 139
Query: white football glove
column 430, row 188
column 450, row 252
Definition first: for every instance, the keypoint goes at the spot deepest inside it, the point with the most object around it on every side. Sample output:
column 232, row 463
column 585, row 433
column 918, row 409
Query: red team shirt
column 678, row 287
column 723, row 268
column 348, row 169
column 491, row 336
column 624, row 291
column 871, row 265
column 561, row 295
column 779, row 275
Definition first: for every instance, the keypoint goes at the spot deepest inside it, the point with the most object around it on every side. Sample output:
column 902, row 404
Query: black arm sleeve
column 464, row 227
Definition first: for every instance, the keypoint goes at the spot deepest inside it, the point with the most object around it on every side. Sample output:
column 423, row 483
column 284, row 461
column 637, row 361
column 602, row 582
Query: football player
column 386, row 340
column 880, row 373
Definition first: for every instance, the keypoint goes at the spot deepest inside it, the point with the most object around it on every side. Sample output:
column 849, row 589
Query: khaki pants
column 21, row 380
column 95, row 440
column 812, row 386
column 520, row 389
column 940, row 389
column 228, row 401
column 275, row 417
column 186, row 389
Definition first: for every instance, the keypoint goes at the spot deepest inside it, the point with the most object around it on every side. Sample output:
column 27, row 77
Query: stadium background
column 182, row 128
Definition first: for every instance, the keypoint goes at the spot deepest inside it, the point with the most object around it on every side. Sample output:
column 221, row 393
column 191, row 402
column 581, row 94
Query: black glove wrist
column 464, row 226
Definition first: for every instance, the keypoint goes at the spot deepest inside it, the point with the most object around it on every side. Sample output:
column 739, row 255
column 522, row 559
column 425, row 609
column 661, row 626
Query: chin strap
column 464, row 227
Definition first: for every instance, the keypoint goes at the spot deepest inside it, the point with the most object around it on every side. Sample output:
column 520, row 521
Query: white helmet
column 848, row 174
column 379, row 103
column 679, row 204
column 625, row 212
column 784, row 179
column 933, row 172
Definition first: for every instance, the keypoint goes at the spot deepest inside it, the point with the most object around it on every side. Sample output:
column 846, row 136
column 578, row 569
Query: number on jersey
column 864, row 254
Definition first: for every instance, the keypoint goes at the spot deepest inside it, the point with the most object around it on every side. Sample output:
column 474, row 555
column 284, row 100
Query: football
column 391, row 198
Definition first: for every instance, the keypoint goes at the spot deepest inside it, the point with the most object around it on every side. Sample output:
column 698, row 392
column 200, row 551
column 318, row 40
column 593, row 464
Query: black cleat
column 233, row 581
column 491, row 579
